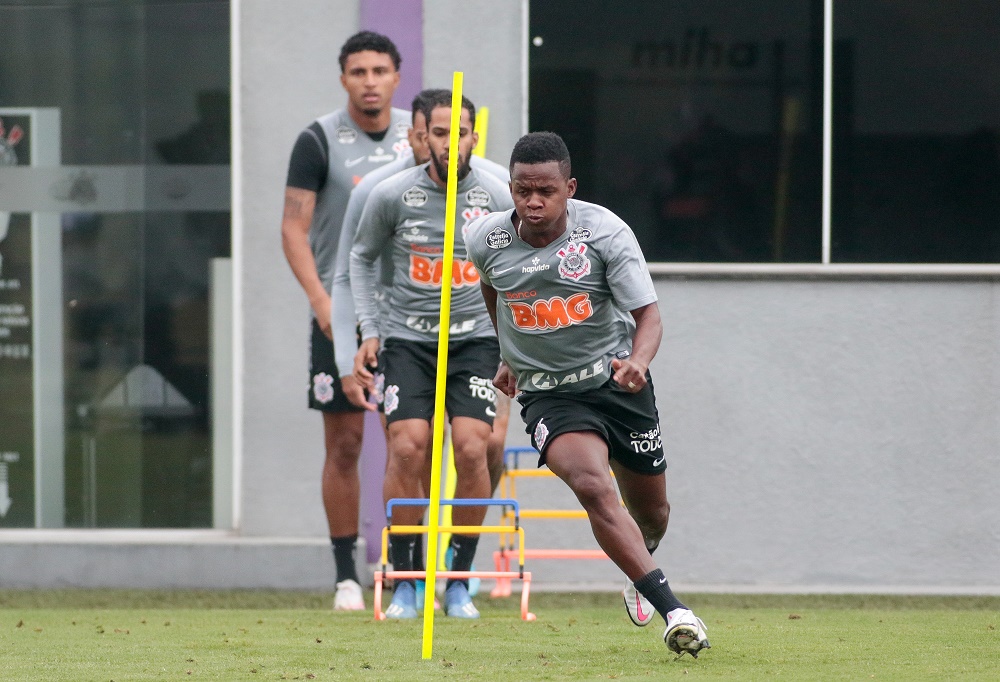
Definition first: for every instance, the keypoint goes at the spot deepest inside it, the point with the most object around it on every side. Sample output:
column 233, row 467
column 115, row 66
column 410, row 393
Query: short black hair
column 369, row 40
column 541, row 148
column 422, row 100
column 442, row 98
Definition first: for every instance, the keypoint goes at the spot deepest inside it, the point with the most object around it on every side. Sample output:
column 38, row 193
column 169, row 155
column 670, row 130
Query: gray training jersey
column 562, row 310
column 342, row 316
column 352, row 154
column 408, row 211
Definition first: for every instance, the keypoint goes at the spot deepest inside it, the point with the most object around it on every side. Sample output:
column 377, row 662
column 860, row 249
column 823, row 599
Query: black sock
column 463, row 548
column 344, row 550
column 654, row 587
column 418, row 553
column 401, row 553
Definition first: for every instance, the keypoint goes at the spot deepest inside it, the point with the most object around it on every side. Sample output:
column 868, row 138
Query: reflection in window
column 697, row 122
column 141, row 85
column 917, row 132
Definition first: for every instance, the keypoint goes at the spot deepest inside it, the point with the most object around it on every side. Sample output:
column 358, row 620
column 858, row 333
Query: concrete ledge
column 165, row 560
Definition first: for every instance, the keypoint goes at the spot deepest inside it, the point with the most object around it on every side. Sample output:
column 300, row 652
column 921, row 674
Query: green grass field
column 157, row 635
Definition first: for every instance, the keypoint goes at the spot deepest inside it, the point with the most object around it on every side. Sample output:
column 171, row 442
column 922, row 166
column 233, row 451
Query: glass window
column 132, row 204
column 697, row 121
column 917, row 131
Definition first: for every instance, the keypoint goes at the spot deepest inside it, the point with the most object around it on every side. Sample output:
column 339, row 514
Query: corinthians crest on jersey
column 573, row 263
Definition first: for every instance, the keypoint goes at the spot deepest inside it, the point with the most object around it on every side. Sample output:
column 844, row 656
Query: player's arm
column 343, row 320
column 295, row 222
column 630, row 373
column 306, row 174
column 374, row 230
column 504, row 380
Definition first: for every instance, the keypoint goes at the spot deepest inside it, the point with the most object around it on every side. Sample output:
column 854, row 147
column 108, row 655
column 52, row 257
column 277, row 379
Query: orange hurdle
column 508, row 489
column 506, row 575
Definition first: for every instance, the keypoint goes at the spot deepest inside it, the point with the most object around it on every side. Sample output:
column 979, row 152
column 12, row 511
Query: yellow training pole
column 482, row 127
column 450, row 481
column 442, row 365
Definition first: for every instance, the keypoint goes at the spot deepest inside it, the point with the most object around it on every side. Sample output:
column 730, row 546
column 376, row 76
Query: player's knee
column 470, row 455
column 407, row 457
column 593, row 490
column 653, row 522
column 344, row 451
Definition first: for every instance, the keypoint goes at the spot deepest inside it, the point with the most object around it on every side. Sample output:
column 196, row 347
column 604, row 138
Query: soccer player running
column 328, row 159
column 343, row 319
column 571, row 297
column 408, row 211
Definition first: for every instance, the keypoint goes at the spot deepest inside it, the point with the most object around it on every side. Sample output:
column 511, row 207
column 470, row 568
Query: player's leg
column 343, row 427
column 639, row 463
column 497, row 440
column 580, row 459
column 342, row 433
column 471, row 401
column 646, row 500
column 408, row 405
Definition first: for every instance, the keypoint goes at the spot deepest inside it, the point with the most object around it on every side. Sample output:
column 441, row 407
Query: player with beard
column 407, row 212
column 343, row 319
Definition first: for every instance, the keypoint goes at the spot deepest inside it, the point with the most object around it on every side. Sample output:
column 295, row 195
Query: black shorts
column 325, row 393
column 628, row 422
column 410, row 383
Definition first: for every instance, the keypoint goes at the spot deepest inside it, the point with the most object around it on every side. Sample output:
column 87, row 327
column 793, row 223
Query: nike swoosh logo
column 410, row 222
column 658, row 462
column 500, row 272
column 490, row 412
column 638, row 607
column 350, row 163
column 663, row 580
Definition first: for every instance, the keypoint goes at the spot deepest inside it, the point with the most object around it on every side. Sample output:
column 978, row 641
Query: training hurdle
column 498, row 575
column 508, row 488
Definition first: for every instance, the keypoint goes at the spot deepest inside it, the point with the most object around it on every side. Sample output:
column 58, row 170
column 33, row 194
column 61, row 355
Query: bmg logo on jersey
column 429, row 271
column 553, row 313
column 647, row 441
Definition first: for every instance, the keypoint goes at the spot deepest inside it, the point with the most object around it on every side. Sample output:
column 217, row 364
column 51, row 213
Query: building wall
column 288, row 79
column 826, row 433
column 290, row 75
column 821, row 433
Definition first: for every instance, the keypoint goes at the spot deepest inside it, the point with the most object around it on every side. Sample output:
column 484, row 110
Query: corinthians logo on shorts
column 573, row 264
column 499, row 238
column 414, row 197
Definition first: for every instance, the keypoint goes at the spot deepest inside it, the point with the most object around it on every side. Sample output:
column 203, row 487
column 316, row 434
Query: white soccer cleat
column 348, row 597
column 639, row 609
column 685, row 633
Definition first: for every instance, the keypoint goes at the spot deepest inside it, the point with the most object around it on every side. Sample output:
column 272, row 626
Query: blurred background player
column 343, row 319
column 407, row 211
column 577, row 332
column 328, row 159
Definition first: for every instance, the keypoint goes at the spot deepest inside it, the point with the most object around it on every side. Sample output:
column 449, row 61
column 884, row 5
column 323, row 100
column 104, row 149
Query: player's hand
column 355, row 393
column 628, row 374
column 367, row 356
column 321, row 309
column 505, row 380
